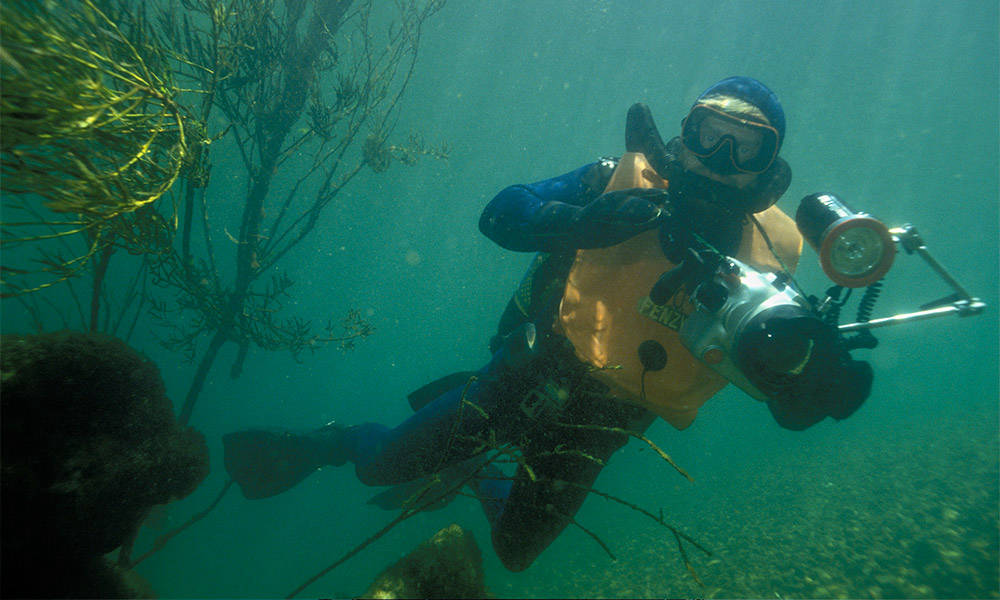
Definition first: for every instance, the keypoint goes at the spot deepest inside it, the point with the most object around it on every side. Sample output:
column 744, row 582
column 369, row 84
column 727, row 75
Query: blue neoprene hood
column 750, row 90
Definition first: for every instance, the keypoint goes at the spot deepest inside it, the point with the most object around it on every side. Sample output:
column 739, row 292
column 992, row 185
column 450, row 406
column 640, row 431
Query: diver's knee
column 370, row 476
column 511, row 552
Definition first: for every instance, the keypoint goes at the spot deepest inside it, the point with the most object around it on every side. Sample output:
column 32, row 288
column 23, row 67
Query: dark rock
column 89, row 445
column 449, row 565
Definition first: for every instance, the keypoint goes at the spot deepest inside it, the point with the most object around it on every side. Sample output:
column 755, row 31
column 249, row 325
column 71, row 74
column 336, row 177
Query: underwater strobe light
column 855, row 249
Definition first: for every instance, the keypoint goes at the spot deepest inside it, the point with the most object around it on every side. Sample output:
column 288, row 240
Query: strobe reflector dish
column 855, row 249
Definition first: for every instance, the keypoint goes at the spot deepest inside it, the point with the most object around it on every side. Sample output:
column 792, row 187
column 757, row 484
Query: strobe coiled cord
column 865, row 338
column 867, row 305
column 832, row 309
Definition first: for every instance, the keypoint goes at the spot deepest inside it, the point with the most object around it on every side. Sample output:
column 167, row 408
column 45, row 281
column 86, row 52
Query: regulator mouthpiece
column 855, row 249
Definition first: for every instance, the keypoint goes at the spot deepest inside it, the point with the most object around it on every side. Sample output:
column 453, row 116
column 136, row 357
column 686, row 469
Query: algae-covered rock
column 449, row 565
column 89, row 445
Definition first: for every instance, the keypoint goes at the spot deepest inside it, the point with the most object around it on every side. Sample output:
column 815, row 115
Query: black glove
column 614, row 217
column 816, row 394
column 714, row 223
column 801, row 363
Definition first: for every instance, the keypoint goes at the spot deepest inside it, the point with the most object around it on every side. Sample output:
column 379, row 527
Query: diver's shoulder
column 597, row 174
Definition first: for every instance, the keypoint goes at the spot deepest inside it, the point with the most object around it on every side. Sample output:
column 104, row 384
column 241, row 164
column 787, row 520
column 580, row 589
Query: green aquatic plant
column 92, row 135
column 112, row 112
column 308, row 90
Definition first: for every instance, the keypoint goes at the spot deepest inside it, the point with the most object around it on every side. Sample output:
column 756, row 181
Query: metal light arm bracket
column 960, row 303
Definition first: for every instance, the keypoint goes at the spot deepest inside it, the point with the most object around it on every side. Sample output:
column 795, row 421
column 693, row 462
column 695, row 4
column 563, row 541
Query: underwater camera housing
column 717, row 332
column 752, row 327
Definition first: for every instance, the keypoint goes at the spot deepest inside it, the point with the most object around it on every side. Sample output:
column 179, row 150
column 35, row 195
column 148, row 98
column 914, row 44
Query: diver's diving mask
column 727, row 143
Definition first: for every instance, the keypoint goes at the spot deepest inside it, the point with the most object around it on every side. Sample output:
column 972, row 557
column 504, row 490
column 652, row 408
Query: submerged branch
column 636, row 435
column 161, row 541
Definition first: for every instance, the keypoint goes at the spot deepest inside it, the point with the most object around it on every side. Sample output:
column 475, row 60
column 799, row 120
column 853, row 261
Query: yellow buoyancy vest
column 606, row 312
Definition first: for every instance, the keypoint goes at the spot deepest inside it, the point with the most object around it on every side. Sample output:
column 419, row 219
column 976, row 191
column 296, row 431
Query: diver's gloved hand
column 852, row 387
column 801, row 363
column 715, row 224
column 614, row 217
column 832, row 384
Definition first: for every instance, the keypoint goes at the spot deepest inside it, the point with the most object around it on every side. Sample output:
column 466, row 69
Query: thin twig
column 163, row 539
column 658, row 519
column 404, row 515
column 552, row 511
column 636, row 435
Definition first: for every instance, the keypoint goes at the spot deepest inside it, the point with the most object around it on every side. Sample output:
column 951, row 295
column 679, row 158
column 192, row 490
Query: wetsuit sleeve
column 542, row 216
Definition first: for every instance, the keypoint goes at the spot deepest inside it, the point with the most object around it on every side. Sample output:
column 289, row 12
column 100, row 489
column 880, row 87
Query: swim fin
column 267, row 462
column 433, row 390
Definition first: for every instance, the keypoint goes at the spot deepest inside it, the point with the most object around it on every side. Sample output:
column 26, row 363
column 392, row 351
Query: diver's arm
column 569, row 212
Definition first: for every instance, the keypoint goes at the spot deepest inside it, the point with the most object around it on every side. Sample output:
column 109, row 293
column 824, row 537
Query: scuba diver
column 589, row 350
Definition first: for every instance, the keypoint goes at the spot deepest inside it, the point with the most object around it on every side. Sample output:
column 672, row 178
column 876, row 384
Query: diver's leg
column 266, row 462
column 463, row 422
column 457, row 426
column 564, row 463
